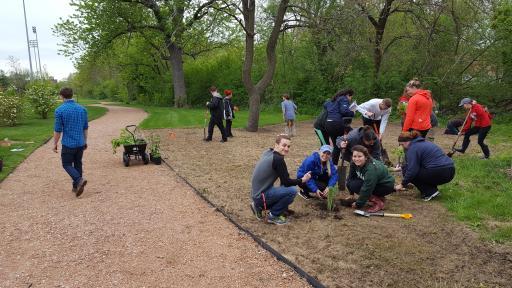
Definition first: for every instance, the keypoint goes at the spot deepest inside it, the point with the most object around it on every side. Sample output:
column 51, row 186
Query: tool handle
column 392, row 215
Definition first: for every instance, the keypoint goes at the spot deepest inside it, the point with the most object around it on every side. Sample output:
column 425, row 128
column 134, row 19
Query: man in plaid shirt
column 71, row 124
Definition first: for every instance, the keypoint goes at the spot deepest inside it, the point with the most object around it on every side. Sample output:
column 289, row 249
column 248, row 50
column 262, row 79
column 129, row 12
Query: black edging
column 311, row 280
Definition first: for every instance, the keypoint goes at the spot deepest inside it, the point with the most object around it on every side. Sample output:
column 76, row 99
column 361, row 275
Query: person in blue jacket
column 323, row 174
column 427, row 165
column 337, row 109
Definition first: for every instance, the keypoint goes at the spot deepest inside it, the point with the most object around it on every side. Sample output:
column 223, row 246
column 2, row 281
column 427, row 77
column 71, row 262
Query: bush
column 10, row 107
column 43, row 97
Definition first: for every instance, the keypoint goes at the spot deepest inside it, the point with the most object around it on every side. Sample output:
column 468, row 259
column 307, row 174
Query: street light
column 33, row 44
column 28, row 44
column 38, row 53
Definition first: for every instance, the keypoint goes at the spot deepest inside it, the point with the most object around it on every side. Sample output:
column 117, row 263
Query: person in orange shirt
column 481, row 120
column 419, row 108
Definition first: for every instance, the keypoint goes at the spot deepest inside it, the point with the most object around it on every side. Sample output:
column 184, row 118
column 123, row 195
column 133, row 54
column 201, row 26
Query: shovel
column 382, row 214
column 452, row 151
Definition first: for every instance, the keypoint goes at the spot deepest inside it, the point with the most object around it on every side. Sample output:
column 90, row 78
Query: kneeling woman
column 427, row 165
column 370, row 179
column 323, row 174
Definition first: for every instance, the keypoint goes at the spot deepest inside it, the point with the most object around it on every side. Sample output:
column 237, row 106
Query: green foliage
column 154, row 145
column 125, row 138
column 11, row 106
column 42, row 95
column 331, row 194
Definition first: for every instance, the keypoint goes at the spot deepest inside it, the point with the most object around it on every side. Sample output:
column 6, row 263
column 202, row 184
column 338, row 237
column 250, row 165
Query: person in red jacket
column 419, row 108
column 482, row 125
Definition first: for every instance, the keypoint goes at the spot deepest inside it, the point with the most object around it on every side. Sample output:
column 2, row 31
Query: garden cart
column 137, row 150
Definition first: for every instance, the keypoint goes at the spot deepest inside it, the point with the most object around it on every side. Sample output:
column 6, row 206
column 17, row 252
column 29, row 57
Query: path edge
column 310, row 279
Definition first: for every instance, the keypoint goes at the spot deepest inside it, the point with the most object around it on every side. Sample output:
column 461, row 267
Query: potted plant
column 124, row 139
column 154, row 149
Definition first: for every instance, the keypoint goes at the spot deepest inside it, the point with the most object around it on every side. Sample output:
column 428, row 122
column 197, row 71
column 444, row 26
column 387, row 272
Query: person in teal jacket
column 323, row 174
column 370, row 179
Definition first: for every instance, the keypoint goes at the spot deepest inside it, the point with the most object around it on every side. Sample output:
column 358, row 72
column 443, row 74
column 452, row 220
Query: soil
column 342, row 249
column 137, row 226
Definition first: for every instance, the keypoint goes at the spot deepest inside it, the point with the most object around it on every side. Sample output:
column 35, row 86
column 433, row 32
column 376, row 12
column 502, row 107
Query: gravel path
column 133, row 227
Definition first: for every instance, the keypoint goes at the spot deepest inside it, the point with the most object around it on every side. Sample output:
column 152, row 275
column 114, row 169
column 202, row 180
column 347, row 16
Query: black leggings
column 427, row 179
column 355, row 185
column 335, row 129
column 321, row 183
column 482, row 133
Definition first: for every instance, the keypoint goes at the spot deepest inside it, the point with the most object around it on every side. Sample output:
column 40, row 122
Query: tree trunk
column 254, row 111
column 178, row 75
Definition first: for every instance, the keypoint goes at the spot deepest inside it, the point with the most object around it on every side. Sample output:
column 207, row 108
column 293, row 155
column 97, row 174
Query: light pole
column 33, row 44
column 28, row 44
column 38, row 53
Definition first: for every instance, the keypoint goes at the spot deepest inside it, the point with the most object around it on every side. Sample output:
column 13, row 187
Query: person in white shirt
column 376, row 111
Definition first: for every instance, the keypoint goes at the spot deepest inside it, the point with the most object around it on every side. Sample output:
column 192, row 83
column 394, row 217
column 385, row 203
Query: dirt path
column 132, row 227
column 430, row 250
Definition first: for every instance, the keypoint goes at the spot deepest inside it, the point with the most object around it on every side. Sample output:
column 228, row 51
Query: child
column 229, row 111
column 289, row 109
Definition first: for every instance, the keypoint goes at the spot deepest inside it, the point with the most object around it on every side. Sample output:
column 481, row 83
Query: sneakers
column 278, row 220
column 304, row 194
column 80, row 187
column 256, row 211
column 484, row 157
column 459, row 150
column 74, row 189
column 428, row 198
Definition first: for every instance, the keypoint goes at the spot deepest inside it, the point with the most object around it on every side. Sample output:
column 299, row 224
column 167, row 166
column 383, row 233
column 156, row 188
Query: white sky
column 43, row 14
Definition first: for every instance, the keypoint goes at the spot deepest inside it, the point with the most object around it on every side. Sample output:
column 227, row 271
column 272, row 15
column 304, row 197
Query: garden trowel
column 382, row 214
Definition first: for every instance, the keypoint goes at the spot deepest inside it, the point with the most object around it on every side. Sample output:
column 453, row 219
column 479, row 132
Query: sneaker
column 484, row 157
column 278, row 220
column 207, row 139
column 304, row 194
column 459, row 150
column 80, row 187
column 224, row 140
column 74, row 189
column 256, row 211
column 428, row 198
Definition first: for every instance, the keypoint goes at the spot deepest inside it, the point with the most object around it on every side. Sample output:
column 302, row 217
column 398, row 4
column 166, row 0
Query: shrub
column 43, row 97
column 10, row 107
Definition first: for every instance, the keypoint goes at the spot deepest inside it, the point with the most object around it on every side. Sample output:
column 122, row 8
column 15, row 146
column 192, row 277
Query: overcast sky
column 43, row 14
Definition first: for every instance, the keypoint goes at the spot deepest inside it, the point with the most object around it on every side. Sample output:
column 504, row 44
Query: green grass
column 166, row 117
column 31, row 129
column 480, row 194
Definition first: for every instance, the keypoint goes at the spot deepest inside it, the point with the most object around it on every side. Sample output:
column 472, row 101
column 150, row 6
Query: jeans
column 277, row 199
column 72, row 162
column 229, row 122
column 427, row 179
column 482, row 133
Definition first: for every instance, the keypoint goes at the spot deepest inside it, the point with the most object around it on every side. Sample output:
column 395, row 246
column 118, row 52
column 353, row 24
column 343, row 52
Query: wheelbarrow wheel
column 126, row 160
column 145, row 158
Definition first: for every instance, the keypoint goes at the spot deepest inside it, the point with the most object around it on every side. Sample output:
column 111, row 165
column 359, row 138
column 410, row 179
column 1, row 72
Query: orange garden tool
column 382, row 214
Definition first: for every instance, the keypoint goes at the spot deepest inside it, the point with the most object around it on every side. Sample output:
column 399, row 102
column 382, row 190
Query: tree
column 168, row 26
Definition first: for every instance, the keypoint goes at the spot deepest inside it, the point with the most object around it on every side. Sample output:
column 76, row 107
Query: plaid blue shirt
column 71, row 120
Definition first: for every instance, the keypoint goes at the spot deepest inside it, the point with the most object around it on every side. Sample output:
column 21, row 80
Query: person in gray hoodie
column 364, row 136
column 216, row 107
column 266, row 196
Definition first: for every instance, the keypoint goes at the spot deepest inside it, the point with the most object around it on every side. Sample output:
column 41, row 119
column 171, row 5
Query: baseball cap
column 465, row 101
column 326, row 148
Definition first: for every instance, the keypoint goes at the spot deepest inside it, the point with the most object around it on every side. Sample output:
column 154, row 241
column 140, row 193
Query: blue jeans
column 277, row 199
column 72, row 162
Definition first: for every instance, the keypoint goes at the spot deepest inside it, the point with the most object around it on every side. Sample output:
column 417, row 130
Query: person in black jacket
column 216, row 115
column 229, row 111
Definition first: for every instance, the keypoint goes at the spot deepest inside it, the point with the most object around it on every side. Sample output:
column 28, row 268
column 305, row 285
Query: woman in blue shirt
column 337, row 109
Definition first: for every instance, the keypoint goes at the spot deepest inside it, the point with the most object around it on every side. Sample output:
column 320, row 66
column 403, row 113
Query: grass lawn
column 166, row 117
column 480, row 194
column 31, row 129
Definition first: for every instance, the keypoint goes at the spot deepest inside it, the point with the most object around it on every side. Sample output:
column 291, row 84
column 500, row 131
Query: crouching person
column 427, row 165
column 264, row 195
column 323, row 174
column 369, row 179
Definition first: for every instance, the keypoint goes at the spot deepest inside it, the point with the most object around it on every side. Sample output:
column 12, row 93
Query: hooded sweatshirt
column 355, row 137
column 418, row 111
column 426, row 155
column 216, row 106
column 479, row 115
column 373, row 174
column 313, row 163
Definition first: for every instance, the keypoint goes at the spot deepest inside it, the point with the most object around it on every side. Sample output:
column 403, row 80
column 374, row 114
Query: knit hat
column 326, row 148
column 465, row 101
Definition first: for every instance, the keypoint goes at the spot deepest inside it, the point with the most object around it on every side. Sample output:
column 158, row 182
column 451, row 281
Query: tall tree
column 168, row 26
